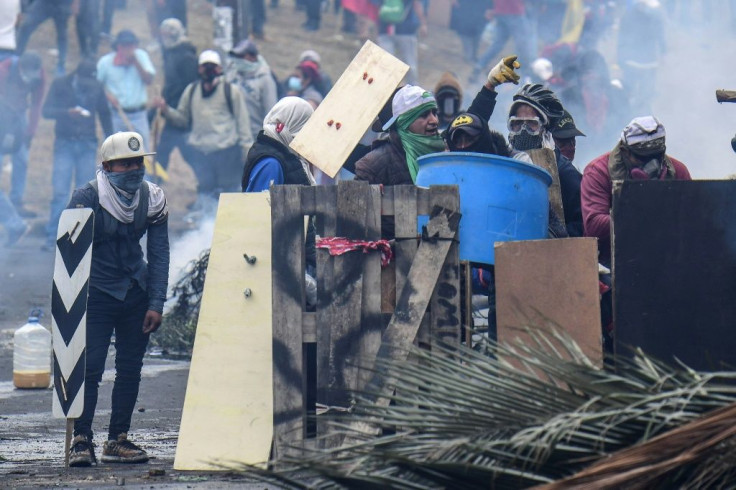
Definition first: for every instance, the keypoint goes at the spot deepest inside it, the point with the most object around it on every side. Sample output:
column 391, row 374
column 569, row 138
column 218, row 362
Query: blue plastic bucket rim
column 508, row 162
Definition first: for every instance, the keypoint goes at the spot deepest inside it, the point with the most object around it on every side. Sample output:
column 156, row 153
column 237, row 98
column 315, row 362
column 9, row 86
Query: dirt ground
column 31, row 442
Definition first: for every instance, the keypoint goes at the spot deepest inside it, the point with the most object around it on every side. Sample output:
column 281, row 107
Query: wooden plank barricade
column 353, row 309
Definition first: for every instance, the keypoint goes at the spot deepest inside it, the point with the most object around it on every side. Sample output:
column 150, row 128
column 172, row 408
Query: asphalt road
column 32, row 441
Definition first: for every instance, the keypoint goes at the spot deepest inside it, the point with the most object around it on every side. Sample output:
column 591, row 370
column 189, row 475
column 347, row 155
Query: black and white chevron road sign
column 69, row 309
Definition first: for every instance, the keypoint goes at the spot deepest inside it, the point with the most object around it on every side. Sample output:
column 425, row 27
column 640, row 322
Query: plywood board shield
column 349, row 109
column 228, row 408
column 549, row 284
column 545, row 158
column 674, row 270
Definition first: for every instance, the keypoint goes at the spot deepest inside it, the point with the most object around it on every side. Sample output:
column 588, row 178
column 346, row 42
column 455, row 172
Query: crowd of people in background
column 232, row 118
column 213, row 104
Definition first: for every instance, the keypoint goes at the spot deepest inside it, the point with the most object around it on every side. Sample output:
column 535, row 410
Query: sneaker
column 123, row 451
column 82, row 452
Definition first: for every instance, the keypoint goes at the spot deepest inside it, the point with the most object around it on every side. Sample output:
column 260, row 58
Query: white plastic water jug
column 32, row 354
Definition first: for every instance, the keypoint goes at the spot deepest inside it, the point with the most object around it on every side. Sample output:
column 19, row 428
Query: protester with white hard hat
column 126, row 291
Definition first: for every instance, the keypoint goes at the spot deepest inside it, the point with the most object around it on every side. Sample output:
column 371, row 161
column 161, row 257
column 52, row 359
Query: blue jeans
column 74, row 162
column 8, row 216
column 106, row 315
column 516, row 26
column 139, row 122
column 218, row 171
column 404, row 47
column 37, row 14
column 18, row 175
column 88, row 28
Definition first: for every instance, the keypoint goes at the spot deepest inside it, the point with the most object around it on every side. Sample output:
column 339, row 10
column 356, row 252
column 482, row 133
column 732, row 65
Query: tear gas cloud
column 700, row 44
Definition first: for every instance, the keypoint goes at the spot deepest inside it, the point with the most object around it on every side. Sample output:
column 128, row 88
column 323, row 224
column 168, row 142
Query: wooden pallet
column 356, row 298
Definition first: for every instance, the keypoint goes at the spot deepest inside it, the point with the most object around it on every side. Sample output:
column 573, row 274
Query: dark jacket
column 483, row 104
column 291, row 166
column 488, row 142
column 570, row 179
column 265, row 147
column 118, row 260
column 596, row 200
column 71, row 91
column 385, row 164
column 468, row 17
column 15, row 95
column 180, row 69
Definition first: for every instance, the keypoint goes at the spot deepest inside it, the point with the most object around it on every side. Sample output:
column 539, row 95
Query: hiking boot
column 82, row 452
column 123, row 451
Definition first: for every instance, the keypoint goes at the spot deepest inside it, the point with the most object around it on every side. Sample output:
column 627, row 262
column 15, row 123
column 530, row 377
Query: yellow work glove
column 504, row 72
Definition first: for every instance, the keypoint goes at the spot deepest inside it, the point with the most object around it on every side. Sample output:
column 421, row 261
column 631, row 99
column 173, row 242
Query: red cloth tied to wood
column 339, row 246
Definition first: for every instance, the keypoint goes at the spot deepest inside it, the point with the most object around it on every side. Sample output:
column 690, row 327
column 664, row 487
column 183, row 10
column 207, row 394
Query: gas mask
column 210, row 72
column 649, row 171
column 525, row 133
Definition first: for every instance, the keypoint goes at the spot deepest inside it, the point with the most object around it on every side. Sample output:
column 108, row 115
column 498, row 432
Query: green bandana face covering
column 417, row 145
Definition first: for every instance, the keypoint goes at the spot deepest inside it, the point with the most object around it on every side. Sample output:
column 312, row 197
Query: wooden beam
column 289, row 380
column 415, row 296
column 545, row 158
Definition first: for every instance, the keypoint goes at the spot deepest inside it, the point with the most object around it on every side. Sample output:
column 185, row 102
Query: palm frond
column 529, row 414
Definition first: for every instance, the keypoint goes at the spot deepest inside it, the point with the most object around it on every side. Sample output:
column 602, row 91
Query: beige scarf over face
column 285, row 120
column 125, row 213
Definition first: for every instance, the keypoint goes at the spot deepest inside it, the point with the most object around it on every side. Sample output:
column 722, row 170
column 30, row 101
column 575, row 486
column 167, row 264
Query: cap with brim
column 125, row 38
column 565, row 127
column 467, row 123
column 210, row 56
column 246, row 46
column 567, row 133
column 407, row 98
column 120, row 146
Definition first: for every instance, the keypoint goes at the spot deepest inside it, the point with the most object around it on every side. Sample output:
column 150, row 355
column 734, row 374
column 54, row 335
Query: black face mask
column 524, row 140
column 209, row 74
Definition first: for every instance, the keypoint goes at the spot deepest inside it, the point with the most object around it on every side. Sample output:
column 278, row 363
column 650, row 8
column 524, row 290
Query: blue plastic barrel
column 501, row 199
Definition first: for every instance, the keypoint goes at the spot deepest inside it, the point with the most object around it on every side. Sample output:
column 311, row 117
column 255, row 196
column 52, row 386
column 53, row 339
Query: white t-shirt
column 9, row 10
